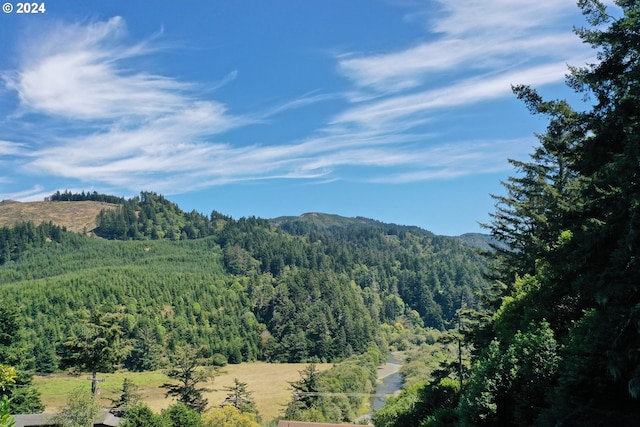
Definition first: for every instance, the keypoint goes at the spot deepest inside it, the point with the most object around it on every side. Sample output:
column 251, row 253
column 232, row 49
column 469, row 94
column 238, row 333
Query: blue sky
column 395, row 110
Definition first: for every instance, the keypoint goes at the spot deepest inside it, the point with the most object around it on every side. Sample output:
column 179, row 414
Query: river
column 389, row 379
column 389, row 383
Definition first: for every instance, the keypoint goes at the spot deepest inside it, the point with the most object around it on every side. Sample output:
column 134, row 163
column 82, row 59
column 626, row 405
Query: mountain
column 484, row 242
column 327, row 223
column 314, row 287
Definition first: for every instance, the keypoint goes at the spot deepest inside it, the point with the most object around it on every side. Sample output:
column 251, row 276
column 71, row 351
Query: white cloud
column 120, row 126
column 465, row 35
column 503, row 17
column 396, row 110
column 76, row 72
column 415, row 66
column 10, row 148
column 33, row 194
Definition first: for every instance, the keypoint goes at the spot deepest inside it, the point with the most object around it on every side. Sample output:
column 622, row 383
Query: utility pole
column 94, row 383
column 460, row 336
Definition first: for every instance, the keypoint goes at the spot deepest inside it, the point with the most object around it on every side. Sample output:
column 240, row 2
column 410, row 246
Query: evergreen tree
column 97, row 345
column 189, row 373
column 128, row 398
column 15, row 352
column 146, row 351
column 239, row 397
column 572, row 231
column 305, row 391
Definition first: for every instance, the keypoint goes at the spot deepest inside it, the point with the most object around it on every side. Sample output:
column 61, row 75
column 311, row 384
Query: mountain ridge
column 80, row 216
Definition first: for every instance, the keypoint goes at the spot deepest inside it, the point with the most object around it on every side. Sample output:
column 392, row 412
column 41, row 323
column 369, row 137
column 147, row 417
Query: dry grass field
column 269, row 383
column 76, row 216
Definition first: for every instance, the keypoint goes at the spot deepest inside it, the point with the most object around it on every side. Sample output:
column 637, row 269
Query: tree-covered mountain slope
column 245, row 289
column 329, row 223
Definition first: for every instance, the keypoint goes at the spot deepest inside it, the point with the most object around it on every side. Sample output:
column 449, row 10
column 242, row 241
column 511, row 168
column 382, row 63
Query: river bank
column 389, row 383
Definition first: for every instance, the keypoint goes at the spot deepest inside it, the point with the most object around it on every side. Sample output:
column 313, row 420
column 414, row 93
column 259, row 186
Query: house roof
column 285, row 423
column 105, row 419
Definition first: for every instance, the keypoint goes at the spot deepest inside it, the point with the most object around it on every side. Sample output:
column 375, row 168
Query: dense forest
column 558, row 343
column 238, row 290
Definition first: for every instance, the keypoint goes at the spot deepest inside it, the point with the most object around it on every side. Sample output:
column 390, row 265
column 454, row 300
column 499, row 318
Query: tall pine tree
column 571, row 222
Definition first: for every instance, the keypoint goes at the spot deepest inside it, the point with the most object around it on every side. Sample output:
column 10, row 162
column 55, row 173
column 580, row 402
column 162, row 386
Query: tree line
column 558, row 343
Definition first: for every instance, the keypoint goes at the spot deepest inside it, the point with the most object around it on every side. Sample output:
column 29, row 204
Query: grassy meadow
column 76, row 216
column 269, row 383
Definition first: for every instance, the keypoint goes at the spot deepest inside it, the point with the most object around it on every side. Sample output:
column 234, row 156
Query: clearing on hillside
column 79, row 217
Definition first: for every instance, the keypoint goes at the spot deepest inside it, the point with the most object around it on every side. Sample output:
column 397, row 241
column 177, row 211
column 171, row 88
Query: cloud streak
column 468, row 34
column 121, row 126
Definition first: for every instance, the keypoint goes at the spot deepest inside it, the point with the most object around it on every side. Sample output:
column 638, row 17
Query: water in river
column 389, row 385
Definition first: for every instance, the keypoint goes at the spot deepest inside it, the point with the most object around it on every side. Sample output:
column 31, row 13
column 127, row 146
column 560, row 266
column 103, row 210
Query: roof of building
column 105, row 419
column 285, row 423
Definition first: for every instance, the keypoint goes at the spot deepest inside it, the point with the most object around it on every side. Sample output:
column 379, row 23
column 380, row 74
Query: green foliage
column 142, row 416
column 509, row 385
column 400, row 410
column 189, row 373
column 179, row 415
column 335, row 395
column 94, row 196
column 218, row 360
column 25, row 397
column 6, row 420
column 80, row 410
column 130, row 397
column 151, row 216
column 12, row 342
column 228, row 416
column 569, row 269
column 15, row 351
column 248, row 291
column 96, row 344
column 239, row 397
column 17, row 240
column 146, row 351
column 420, row 405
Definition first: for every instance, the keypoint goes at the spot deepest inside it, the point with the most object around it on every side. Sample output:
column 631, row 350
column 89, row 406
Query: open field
column 269, row 383
column 76, row 216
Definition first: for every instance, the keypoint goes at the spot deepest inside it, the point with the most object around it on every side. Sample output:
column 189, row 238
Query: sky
column 400, row 111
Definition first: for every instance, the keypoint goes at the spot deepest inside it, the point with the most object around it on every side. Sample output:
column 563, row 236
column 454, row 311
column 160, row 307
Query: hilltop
column 331, row 223
column 79, row 216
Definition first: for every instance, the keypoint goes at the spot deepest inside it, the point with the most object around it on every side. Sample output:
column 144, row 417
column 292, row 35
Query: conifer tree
column 97, row 345
column 239, row 397
column 189, row 373
column 571, row 223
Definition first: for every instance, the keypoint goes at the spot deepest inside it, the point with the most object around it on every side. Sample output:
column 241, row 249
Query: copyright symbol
column 7, row 8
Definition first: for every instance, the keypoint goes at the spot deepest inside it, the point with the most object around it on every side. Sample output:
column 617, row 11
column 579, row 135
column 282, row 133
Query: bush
column 219, row 359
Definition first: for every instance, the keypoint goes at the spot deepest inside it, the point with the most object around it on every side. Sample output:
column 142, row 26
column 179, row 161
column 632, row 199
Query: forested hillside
column 241, row 289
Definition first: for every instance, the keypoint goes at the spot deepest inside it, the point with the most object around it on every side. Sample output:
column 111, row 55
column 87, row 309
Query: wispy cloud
column 399, row 109
column 112, row 123
column 468, row 35
column 9, row 148
column 34, row 193
column 77, row 72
